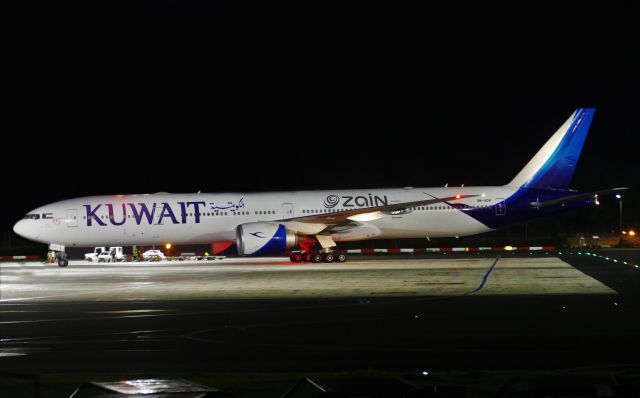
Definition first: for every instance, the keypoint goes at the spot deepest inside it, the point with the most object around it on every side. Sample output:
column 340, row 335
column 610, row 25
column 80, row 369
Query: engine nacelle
column 263, row 239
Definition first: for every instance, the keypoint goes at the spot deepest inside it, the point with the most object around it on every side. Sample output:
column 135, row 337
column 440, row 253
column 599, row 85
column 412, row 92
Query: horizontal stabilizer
column 577, row 196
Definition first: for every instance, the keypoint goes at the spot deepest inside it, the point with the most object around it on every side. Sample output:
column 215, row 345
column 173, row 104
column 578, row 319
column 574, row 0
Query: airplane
column 270, row 223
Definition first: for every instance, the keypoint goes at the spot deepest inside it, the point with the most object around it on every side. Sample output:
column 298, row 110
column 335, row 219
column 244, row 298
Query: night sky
column 215, row 96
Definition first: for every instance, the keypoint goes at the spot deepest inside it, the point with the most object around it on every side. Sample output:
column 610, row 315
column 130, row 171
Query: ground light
column 615, row 260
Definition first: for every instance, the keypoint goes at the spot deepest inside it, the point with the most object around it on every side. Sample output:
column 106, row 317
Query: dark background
column 220, row 96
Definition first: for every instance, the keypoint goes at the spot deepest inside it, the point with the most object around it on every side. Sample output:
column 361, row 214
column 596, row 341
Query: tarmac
column 278, row 278
column 390, row 313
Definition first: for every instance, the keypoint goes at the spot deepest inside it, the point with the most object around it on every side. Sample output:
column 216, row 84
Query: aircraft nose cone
column 21, row 228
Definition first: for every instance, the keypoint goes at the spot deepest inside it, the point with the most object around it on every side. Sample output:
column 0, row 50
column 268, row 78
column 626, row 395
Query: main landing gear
column 317, row 250
column 318, row 257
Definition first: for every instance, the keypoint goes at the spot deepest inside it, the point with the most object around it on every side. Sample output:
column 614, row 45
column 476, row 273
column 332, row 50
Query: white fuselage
column 154, row 219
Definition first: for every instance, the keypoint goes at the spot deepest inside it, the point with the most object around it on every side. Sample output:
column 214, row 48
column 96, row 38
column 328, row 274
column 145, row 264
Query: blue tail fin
column 553, row 166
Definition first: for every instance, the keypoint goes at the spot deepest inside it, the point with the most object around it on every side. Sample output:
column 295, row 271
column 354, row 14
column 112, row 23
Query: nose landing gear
column 61, row 256
column 62, row 259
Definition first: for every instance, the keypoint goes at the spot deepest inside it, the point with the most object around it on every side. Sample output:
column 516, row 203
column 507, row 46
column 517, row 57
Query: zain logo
column 331, row 201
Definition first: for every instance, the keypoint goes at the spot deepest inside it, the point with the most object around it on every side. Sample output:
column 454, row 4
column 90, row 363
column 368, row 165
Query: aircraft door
column 501, row 207
column 287, row 210
column 72, row 218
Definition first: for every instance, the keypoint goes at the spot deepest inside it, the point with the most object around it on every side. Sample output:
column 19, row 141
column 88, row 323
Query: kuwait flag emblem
column 47, row 216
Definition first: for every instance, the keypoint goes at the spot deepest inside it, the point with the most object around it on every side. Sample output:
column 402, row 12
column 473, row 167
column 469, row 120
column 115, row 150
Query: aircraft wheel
column 63, row 262
column 341, row 258
column 296, row 257
column 316, row 258
column 328, row 257
column 307, row 257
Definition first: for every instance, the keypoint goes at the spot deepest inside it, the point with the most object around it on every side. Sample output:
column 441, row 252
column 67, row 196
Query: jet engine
column 263, row 239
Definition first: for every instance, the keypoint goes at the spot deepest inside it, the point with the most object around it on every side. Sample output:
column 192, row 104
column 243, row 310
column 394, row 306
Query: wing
column 334, row 218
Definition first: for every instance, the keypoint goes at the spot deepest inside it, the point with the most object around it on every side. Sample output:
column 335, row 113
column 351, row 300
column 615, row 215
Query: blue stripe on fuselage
column 518, row 208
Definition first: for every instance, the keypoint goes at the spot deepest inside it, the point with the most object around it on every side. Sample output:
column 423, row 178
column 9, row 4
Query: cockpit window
column 32, row 217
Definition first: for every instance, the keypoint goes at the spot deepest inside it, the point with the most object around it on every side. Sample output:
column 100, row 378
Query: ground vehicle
column 153, row 255
column 96, row 252
column 112, row 255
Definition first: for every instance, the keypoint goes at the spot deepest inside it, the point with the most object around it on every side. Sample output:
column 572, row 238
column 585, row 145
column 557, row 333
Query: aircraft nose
column 22, row 228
